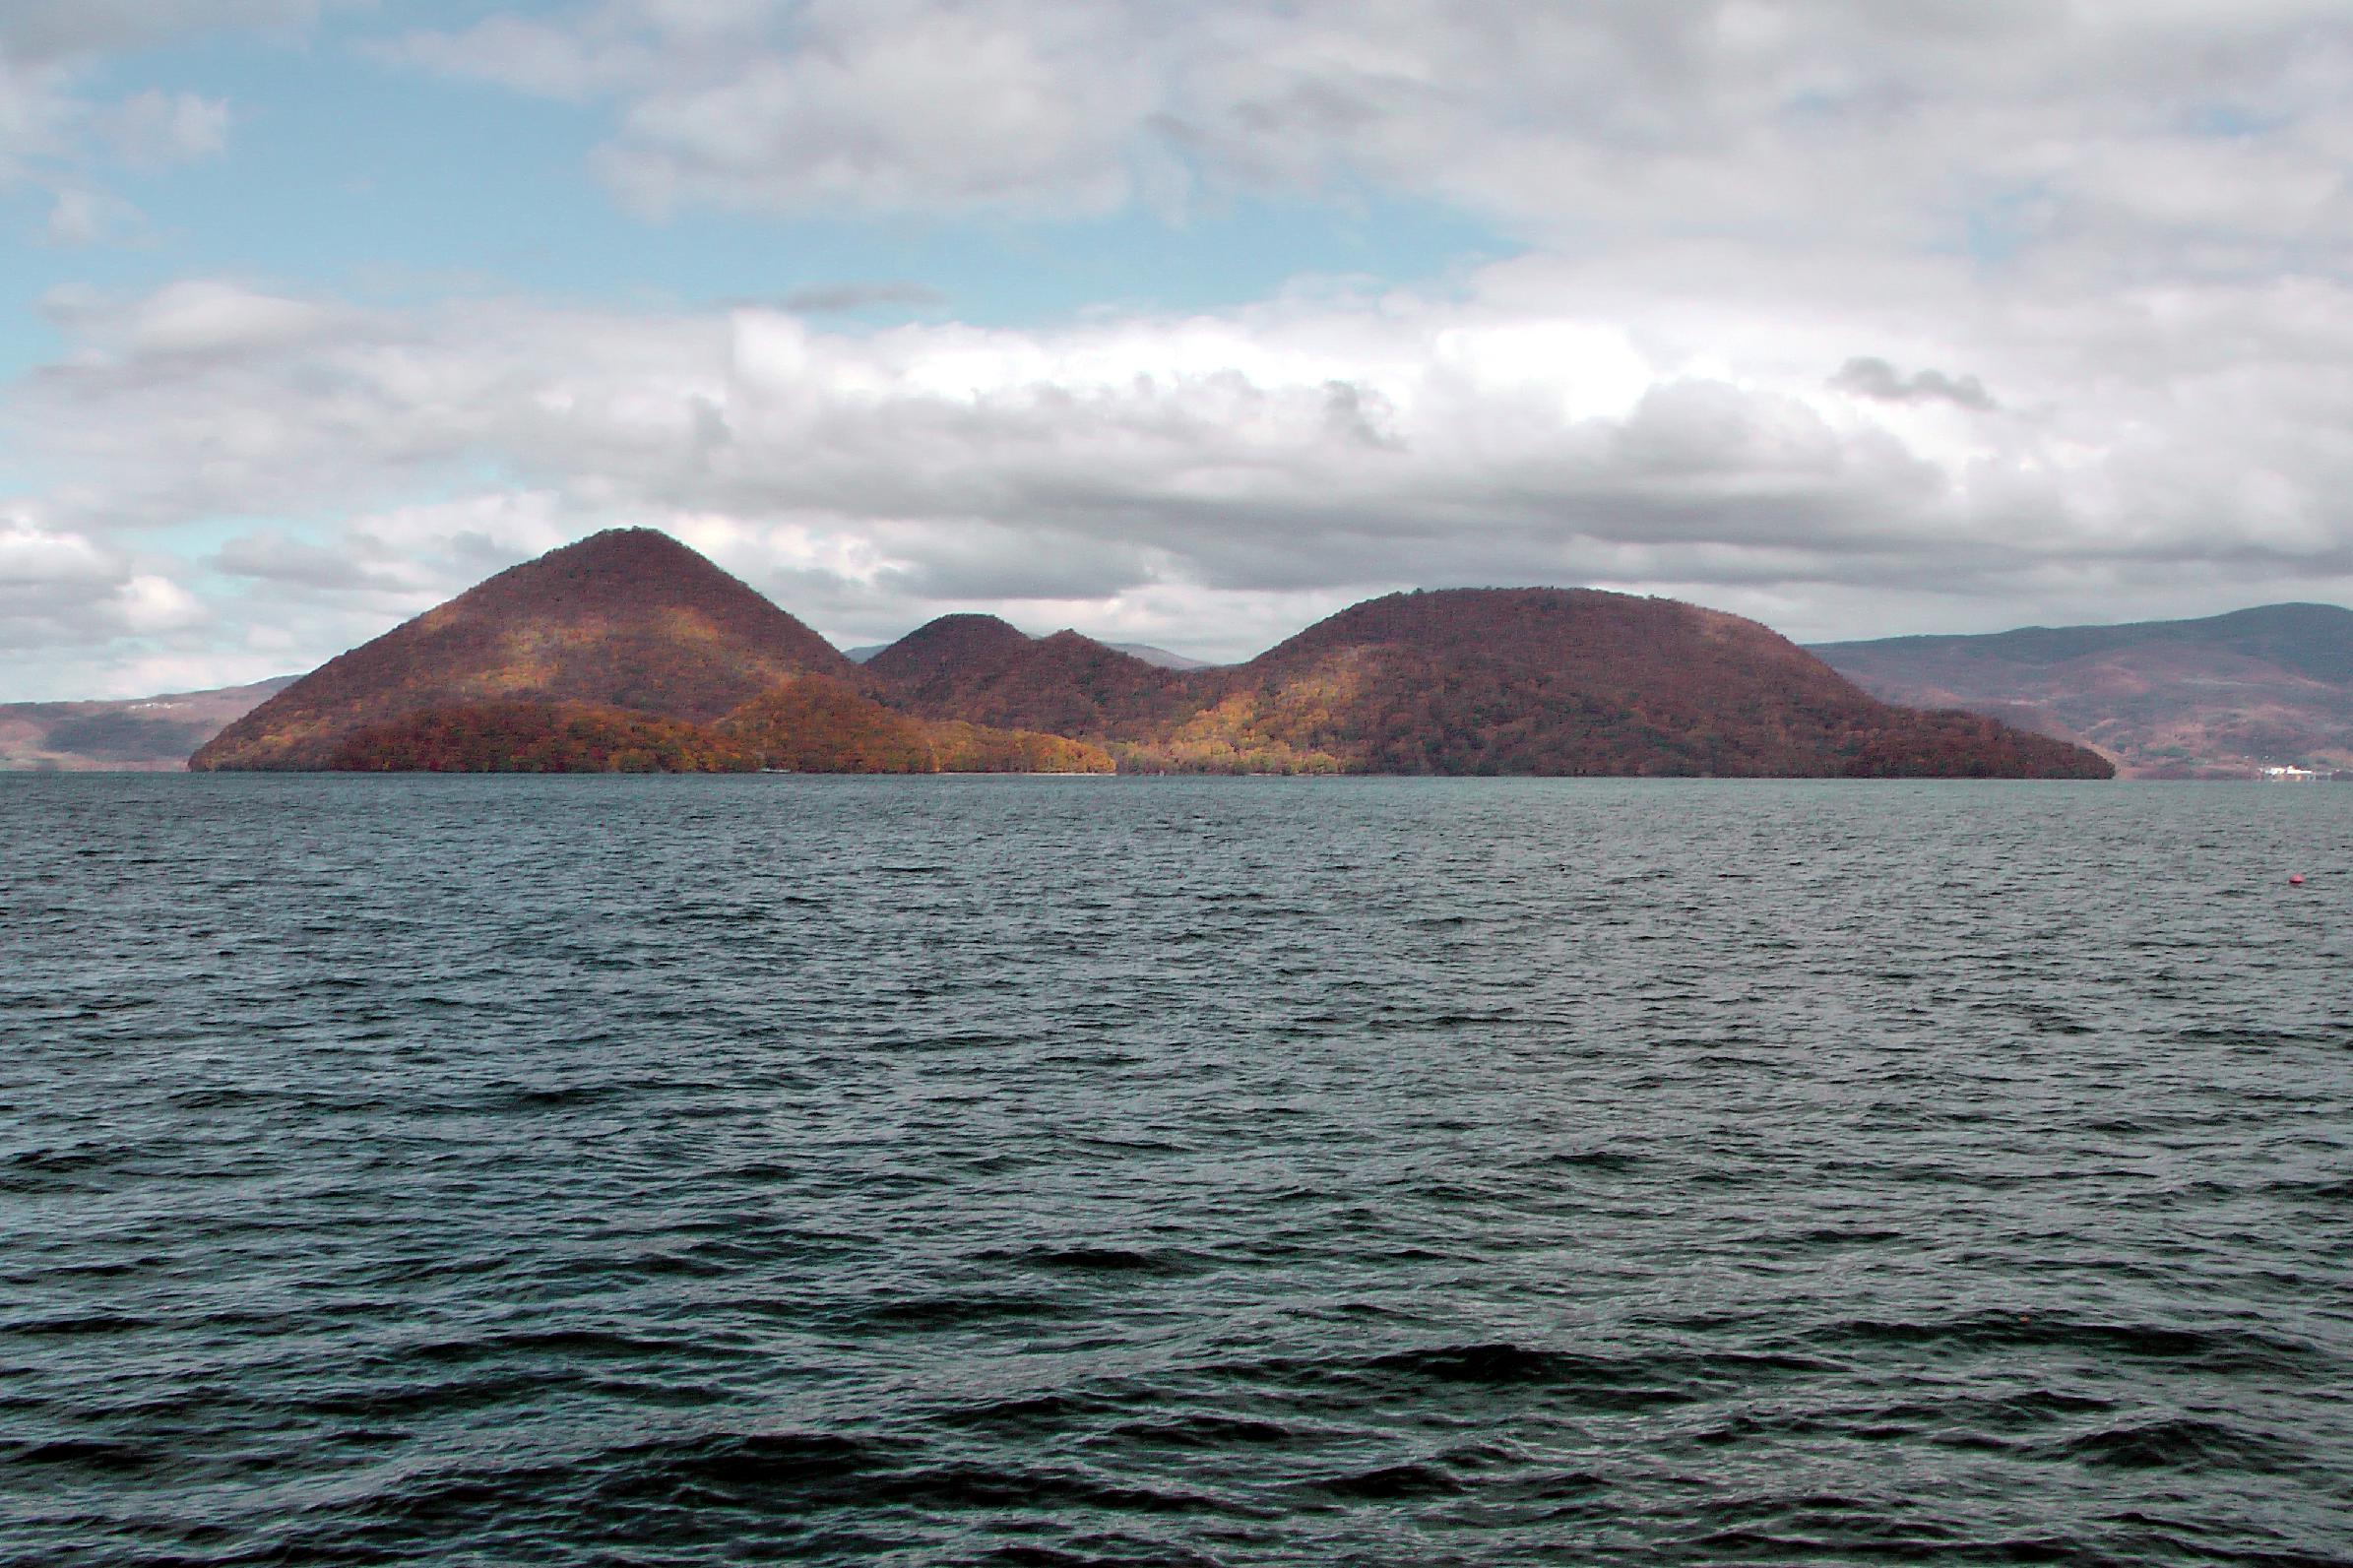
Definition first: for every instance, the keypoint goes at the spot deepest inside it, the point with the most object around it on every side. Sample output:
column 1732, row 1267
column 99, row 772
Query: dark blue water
column 1001, row 1171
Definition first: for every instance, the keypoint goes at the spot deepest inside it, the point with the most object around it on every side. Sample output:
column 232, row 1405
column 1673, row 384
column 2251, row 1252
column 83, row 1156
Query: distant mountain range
column 1466, row 681
column 553, row 662
column 625, row 652
column 2216, row 696
column 629, row 651
column 148, row 734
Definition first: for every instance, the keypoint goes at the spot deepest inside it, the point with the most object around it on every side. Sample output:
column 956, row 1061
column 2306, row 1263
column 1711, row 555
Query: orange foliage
column 628, row 650
column 817, row 726
column 959, row 747
column 1472, row 681
column 537, row 737
column 630, row 619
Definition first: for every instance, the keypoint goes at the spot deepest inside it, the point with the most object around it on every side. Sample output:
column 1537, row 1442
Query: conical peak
column 626, row 546
column 951, row 640
column 1076, row 647
column 628, row 618
column 636, row 555
column 970, row 624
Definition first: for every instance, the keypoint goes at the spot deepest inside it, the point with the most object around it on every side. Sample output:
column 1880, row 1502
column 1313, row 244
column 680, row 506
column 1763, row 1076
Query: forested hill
column 628, row 650
column 629, row 619
column 138, row 734
column 1467, row 680
column 1580, row 681
column 980, row 668
column 2222, row 694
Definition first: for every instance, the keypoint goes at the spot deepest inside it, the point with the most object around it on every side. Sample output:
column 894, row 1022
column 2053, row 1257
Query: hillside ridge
column 2214, row 696
column 629, row 619
column 1465, row 680
column 628, row 650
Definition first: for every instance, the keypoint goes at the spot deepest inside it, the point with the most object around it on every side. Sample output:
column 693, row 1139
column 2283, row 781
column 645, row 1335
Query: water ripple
column 1187, row 1172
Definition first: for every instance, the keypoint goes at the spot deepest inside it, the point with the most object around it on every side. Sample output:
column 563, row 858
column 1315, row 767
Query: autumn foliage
column 628, row 619
column 1474, row 681
column 814, row 724
column 959, row 747
column 537, row 737
column 2210, row 697
column 819, row 726
column 979, row 669
column 807, row 724
column 629, row 651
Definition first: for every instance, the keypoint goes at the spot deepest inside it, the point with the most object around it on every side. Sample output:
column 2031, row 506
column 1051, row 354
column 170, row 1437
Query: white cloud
column 152, row 129
column 58, row 133
column 1132, row 473
column 1861, row 317
column 83, row 216
column 52, row 130
column 201, row 316
column 68, row 603
column 36, row 115
column 1938, row 122
column 33, row 558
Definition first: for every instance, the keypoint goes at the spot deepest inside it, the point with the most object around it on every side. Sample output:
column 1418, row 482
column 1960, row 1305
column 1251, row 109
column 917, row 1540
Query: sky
column 1183, row 325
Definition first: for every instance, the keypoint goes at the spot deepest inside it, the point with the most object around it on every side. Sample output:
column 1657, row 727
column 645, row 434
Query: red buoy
column 2297, row 880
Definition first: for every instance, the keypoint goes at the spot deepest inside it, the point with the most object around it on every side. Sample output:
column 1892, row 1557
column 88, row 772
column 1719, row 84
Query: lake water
column 1136, row 1170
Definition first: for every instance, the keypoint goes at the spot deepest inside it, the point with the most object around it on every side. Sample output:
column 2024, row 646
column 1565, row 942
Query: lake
column 1174, row 1171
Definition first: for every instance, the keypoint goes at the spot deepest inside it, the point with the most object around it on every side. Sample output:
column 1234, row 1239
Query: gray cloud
column 64, row 594
column 989, row 561
column 1177, row 481
column 1972, row 127
column 41, row 30
column 828, row 300
column 2130, row 221
column 1876, row 378
column 274, row 557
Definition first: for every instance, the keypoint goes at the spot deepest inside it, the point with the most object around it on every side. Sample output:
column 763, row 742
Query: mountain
column 629, row 651
column 2213, row 695
column 1577, row 681
column 537, row 737
column 807, row 724
column 980, row 668
column 1467, row 681
column 1160, row 657
column 142, row 735
column 629, row 619
column 814, row 724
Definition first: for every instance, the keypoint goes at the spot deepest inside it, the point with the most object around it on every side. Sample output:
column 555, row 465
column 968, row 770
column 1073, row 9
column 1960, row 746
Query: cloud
column 155, row 128
column 62, row 593
column 873, row 105
column 48, row 120
column 2128, row 220
column 37, row 115
column 83, row 216
column 41, row 30
column 35, row 559
column 200, row 316
column 1876, row 378
column 1932, row 123
column 1174, row 478
column 60, row 134
column 826, row 299
column 271, row 556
